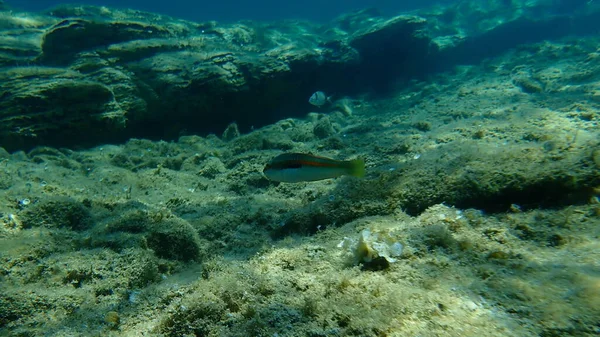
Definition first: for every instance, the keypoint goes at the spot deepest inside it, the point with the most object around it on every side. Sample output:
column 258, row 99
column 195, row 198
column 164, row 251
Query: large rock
column 95, row 74
column 71, row 36
column 470, row 31
column 49, row 105
column 155, row 77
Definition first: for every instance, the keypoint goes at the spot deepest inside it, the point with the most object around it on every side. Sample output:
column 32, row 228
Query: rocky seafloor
column 83, row 76
column 487, row 175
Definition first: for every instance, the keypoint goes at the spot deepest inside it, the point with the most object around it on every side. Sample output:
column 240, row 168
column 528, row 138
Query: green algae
column 495, row 202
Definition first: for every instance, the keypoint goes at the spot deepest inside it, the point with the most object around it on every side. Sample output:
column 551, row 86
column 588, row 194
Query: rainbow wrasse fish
column 298, row 167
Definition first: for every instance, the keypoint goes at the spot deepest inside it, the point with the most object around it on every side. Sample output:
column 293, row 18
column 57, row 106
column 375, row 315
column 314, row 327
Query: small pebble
column 470, row 305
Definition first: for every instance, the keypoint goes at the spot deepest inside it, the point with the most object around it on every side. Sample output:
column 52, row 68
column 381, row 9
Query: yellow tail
column 356, row 168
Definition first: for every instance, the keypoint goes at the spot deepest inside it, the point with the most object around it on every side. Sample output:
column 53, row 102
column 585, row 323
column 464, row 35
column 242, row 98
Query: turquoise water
column 234, row 10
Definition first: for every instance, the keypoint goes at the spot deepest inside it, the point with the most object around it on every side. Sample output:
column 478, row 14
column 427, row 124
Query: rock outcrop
column 80, row 76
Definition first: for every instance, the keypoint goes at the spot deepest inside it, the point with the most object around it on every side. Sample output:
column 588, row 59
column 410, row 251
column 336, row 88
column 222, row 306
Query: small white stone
column 470, row 305
column 396, row 249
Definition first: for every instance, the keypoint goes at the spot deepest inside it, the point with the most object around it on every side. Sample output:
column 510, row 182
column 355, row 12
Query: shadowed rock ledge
column 80, row 76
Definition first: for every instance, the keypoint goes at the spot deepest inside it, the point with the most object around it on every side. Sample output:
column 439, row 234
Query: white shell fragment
column 373, row 245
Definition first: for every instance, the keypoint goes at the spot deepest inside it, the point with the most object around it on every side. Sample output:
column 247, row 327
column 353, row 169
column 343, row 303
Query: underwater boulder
column 71, row 36
column 134, row 225
column 54, row 106
column 60, row 212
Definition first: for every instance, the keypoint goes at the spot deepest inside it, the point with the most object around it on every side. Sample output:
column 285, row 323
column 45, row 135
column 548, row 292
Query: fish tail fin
column 356, row 168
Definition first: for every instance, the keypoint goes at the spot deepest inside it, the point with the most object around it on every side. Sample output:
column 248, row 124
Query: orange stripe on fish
column 316, row 163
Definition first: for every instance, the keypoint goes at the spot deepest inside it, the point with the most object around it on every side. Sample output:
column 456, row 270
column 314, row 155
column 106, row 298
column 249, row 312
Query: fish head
column 281, row 169
column 267, row 168
column 273, row 173
column 271, row 170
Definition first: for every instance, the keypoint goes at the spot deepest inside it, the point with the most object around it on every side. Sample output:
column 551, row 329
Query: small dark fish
column 319, row 99
column 298, row 167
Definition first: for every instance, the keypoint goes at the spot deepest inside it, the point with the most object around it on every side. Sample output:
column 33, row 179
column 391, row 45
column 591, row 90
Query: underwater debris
column 374, row 250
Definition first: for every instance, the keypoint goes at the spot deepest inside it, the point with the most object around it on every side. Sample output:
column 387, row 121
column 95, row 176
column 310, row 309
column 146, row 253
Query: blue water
column 233, row 10
column 132, row 205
